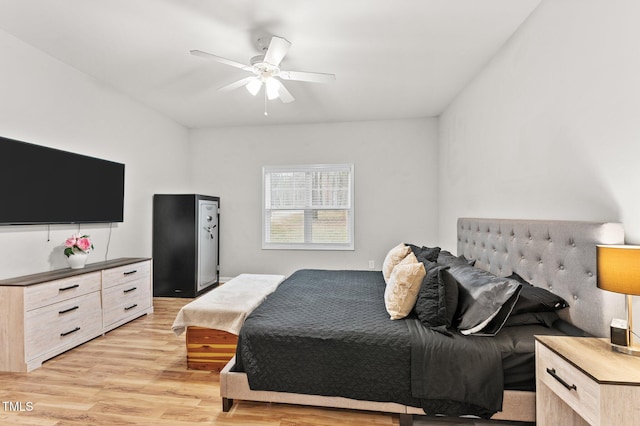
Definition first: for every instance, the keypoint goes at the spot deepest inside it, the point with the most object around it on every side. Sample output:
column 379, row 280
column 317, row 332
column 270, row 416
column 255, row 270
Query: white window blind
column 308, row 207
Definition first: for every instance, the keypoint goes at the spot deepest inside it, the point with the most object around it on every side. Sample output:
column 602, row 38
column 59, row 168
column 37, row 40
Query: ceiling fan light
column 254, row 86
column 273, row 88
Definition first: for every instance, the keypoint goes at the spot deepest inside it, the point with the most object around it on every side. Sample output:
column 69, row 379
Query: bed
column 379, row 373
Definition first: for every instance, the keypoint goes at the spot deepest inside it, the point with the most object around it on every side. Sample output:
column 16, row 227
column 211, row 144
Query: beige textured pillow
column 404, row 284
column 394, row 257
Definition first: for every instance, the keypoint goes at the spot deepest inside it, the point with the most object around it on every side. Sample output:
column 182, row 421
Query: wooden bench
column 213, row 320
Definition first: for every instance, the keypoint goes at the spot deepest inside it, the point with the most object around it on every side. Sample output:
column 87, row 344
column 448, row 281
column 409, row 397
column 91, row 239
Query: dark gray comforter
column 328, row 333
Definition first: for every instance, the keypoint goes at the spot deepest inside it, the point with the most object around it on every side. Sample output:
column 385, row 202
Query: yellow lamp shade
column 619, row 268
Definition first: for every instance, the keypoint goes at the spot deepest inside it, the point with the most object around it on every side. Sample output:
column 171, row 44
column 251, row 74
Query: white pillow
column 404, row 284
column 394, row 257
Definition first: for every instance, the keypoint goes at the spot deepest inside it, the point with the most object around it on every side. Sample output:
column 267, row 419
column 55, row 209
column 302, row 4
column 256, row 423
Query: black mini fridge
column 186, row 244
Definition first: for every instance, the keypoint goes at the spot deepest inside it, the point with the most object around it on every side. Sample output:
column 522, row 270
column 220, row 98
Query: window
column 308, row 207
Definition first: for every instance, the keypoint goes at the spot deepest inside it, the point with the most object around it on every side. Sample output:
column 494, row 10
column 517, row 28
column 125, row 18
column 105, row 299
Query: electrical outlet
column 372, row 264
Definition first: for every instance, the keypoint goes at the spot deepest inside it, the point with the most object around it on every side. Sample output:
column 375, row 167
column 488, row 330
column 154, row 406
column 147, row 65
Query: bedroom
column 546, row 130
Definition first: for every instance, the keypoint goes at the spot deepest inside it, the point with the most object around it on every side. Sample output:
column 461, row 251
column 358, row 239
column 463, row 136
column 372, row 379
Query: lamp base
column 629, row 350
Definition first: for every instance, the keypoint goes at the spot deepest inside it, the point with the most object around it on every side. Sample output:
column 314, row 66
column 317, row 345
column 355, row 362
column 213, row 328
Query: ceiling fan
column 266, row 71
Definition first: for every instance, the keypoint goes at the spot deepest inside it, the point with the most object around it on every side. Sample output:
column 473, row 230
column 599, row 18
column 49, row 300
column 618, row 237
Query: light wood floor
column 137, row 375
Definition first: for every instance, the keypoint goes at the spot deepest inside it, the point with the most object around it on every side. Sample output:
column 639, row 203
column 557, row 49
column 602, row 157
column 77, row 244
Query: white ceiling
column 392, row 58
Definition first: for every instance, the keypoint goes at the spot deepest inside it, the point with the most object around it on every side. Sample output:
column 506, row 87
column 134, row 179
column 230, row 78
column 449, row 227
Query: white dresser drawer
column 40, row 295
column 125, row 300
column 575, row 388
column 126, row 274
column 58, row 325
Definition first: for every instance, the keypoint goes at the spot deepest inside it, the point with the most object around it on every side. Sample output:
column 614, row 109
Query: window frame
column 308, row 210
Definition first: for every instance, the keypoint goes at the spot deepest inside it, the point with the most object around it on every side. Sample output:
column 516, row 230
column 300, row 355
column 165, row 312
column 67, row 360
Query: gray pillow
column 446, row 258
column 482, row 297
column 536, row 299
column 438, row 297
column 425, row 254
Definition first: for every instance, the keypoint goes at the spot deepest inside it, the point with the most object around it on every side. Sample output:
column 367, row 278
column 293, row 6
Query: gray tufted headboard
column 557, row 255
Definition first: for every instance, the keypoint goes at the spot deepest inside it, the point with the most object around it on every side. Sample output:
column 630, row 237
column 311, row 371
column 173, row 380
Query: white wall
column 395, row 187
column 551, row 128
column 46, row 102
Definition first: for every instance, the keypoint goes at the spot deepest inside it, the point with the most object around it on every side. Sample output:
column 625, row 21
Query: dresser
column 581, row 381
column 45, row 314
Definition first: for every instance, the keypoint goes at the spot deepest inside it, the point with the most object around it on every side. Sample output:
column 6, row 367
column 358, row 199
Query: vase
column 77, row 260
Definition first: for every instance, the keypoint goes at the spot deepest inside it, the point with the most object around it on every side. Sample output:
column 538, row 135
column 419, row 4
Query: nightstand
column 581, row 381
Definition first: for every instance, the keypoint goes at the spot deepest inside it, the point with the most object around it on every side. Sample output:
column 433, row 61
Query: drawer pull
column 69, row 332
column 130, row 289
column 552, row 372
column 130, row 307
column 68, row 310
column 131, row 272
column 69, row 288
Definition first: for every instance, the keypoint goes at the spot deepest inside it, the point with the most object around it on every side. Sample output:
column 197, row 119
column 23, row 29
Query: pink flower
column 77, row 243
column 71, row 241
column 83, row 244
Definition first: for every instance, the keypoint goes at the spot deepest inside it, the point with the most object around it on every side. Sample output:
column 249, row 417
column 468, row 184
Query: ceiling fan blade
column 283, row 93
column 276, row 51
column 222, row 60
column 312, row 77
column 237, row 84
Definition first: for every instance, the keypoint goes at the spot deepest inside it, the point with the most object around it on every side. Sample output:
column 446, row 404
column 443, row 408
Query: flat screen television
column 41, row 185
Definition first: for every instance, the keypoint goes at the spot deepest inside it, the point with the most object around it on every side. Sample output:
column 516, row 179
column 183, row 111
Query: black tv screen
column 45, row 185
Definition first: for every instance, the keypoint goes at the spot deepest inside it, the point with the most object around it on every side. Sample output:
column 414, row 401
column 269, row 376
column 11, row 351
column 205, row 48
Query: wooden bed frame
column 557, row 255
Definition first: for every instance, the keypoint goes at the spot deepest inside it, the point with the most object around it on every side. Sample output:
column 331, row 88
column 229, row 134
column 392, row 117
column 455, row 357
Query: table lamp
column 619, row 271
